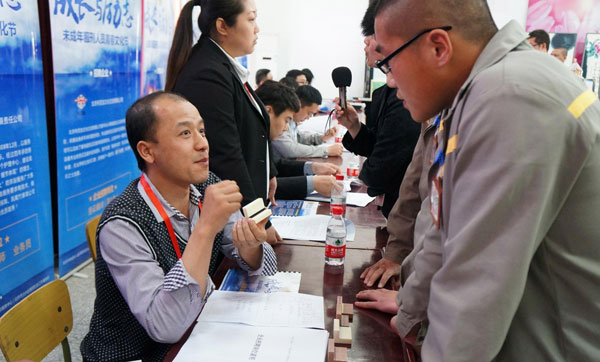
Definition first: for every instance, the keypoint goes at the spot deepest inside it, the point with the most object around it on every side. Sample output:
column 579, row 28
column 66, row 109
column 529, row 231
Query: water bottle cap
column 337, row 210
column 339, row 177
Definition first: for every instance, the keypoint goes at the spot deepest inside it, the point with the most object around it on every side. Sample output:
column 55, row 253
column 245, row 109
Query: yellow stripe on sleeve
column 451, row 144
column 581, row 103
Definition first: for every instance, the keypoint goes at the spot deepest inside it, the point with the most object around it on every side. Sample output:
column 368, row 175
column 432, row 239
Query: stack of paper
column 266, row 310
column 236, row 326
column 308, row 227
column 223, row 342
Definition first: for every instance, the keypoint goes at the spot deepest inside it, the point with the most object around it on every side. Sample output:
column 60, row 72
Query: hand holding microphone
column 345, row 114
column 342, row 78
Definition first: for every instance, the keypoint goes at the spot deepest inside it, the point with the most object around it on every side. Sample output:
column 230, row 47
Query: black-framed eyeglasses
column 383, row 63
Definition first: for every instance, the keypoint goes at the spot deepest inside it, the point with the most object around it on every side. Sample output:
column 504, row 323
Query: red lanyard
column 163, row 214
column 250, row 94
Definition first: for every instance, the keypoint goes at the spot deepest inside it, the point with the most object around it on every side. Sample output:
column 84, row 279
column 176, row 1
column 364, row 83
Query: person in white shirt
column 293, row 144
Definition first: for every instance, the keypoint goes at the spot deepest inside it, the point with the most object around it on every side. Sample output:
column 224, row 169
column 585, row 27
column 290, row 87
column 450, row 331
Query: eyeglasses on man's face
column 383, row 64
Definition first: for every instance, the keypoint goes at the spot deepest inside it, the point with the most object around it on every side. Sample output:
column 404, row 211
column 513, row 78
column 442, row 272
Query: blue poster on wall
column 26, row 251
column 96, row 51
column 159, row 26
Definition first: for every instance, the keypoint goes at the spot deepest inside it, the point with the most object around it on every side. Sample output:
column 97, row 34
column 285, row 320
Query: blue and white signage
column 159, row 26
column 96, row 48
column 26, row 248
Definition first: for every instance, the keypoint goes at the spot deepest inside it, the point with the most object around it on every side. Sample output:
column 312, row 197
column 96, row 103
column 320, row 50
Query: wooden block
column 339, row 300
column 265, row 214
column 253, row 207
column 256, row 211
column 336, row 329
column 348, row 309
column 345, row 336
column 330, row 350
column 338, row 311
column 341, row 354
column 345, row 322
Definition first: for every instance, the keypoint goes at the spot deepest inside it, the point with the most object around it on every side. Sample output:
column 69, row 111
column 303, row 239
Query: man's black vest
column 115, row 334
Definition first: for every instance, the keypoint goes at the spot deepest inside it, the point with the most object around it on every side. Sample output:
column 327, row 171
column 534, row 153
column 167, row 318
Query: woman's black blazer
column 238, row 134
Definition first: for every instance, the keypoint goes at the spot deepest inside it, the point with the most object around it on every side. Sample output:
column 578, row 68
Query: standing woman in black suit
column 209, row 76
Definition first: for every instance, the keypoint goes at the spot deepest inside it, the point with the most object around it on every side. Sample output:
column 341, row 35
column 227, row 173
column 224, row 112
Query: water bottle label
column 332, row 251
column 338, row 139
column 352, row 172
column 340, row 209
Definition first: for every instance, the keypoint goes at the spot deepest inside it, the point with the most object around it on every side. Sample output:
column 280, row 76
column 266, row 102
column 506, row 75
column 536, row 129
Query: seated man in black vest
column 162, row 238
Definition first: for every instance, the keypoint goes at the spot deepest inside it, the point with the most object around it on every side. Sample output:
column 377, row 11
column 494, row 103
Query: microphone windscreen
column 342, row 77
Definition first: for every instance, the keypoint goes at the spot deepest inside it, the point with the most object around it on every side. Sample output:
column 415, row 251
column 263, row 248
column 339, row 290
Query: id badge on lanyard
column 435, row 198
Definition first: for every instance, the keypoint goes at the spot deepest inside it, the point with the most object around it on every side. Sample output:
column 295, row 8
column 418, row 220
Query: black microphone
column 342, row 78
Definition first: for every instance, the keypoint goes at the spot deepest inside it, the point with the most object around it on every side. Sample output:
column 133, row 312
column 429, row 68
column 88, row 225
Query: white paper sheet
column 315, row 124
column 308, row 227
column 352, row 198
column 271, row 310
column 358, row 199
column 222, row 342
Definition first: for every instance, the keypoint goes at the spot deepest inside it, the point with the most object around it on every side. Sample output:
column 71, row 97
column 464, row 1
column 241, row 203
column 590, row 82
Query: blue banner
column 159, row 26
column 96, row 50
column 26, row 253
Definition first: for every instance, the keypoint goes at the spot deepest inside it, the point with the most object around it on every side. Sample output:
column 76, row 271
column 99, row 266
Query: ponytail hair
column 181, row 47
column 211, row 11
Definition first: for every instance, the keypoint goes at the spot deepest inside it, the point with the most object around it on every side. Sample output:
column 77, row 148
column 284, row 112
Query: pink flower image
column 565, row 16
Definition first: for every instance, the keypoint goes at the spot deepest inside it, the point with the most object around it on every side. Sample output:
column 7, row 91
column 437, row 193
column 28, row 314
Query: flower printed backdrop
column 592, row 59
column 565, row 16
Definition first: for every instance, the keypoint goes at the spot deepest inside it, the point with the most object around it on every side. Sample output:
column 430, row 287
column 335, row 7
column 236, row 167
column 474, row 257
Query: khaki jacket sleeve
column 425, row 261
column 401, row 221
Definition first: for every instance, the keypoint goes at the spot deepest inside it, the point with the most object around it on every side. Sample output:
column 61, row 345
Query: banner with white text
column 159, row 26
column 26, row 247
column 96, row 48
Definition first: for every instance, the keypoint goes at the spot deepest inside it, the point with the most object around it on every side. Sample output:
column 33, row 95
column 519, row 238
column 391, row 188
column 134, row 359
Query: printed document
column 224, row 342
column 308, row 227
column 265, row 309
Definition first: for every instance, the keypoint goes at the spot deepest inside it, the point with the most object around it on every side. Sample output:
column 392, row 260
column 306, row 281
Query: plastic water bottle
column 335, row 248
column 339, row 136
column 352, row 170
column 341, row 132
column 338, row 196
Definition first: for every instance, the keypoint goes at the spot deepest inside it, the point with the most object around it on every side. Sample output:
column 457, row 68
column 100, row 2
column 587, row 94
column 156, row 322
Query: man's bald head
column 471, row 19
column 141, row 120
column 437, row 60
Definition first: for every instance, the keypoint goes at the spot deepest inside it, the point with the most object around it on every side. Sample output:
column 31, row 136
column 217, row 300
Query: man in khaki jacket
column 514, row 184
column 409, row 226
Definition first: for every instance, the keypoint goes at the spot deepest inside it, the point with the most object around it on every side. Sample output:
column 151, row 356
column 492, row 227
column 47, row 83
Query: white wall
column 505, row 10
column 316, row 34
column 324, row 34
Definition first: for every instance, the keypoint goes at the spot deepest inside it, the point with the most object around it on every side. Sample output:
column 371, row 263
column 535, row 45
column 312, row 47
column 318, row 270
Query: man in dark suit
column 387, row 140
column 295, row 179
